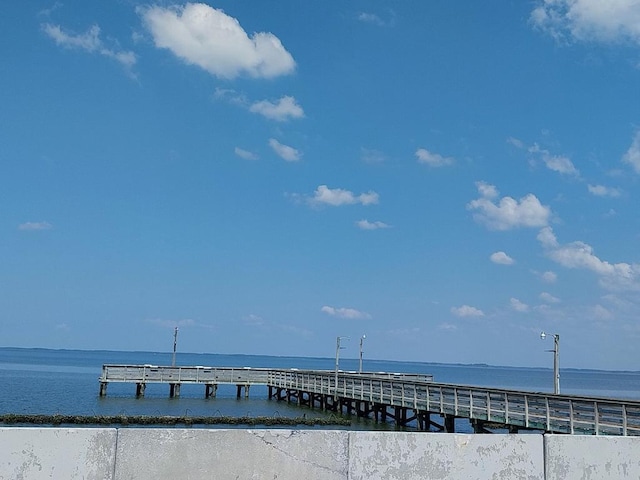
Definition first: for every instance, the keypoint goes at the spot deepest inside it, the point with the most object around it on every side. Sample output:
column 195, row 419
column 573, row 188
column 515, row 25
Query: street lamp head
column 364, row 336
column 543, row 335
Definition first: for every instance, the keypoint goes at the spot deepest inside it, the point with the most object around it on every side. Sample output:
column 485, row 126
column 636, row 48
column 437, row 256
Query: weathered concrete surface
column 65, row 453
column 590, row 457
column 396, row 455
column 158, row 454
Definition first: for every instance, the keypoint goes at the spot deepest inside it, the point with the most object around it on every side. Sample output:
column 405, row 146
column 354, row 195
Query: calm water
column 66, row 382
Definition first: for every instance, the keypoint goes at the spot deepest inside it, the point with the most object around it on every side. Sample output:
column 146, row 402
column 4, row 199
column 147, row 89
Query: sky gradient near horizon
column 448, row 178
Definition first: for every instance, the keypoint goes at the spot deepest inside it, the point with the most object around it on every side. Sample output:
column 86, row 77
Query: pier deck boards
column 403, row 398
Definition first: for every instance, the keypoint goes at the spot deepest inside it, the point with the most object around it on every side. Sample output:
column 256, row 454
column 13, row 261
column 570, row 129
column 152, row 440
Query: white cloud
column 467, row 311
column 557, row 163
column 579, row 255
column 372, row 156
column 207, row 37
column 349, row 313
column 549, row 277
column 501, row 258
column 589, row 20
column 447, row 326
column 508, row 213
column 90, row 42
column 337, row 197
column 516, row 142
column 285, row 152
column 432, row 159
column 370, row 18
column 547, row 238
column 518, row 306
column 548, row 298
column 601, row 313
column 185, row 322
column 284, row 109
column 231, row 96
column 35, row 226
column 367, row 225
column 246, row 154
column 487, row 190
column 602, row 191
column 632, row 156
column 377, row 20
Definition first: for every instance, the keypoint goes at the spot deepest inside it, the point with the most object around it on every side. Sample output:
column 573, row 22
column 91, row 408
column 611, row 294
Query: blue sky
column 447, row 178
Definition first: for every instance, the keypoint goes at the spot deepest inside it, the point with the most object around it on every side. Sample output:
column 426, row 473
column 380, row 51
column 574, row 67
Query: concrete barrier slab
column 397, row 455
column 158, row 454
column 591, row 457
column 69, row 453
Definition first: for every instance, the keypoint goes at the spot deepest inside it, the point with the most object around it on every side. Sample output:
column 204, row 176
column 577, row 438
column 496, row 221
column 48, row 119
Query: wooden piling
column 140, row 389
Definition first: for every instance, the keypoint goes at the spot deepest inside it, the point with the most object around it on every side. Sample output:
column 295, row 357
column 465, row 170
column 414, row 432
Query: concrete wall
column 158, row 453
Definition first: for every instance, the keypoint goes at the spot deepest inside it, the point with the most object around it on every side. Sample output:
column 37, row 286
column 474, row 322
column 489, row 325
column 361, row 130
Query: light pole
column 338, row 347
column 175, row 342
column 556, row 366
column 361, row 342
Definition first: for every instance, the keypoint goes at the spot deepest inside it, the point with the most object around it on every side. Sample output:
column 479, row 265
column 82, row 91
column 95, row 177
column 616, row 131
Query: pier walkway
column 406, row 399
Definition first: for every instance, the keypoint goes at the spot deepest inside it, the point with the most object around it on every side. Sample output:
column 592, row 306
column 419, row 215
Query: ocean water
column 42, row 381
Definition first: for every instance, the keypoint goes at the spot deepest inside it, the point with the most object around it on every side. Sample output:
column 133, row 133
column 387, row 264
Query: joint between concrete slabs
column 125, row 453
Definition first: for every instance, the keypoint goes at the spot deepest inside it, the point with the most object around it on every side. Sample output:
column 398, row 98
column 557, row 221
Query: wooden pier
column 405, row 399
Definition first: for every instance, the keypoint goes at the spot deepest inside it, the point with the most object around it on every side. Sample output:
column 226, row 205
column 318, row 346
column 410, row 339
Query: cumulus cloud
column 467, row 311
column 501, row 258
column 337, row 197
column 367, row 225
column 548, row 298
column 246, row 154
column 35, row 226
column 579, row 255
column 285, row 152
column 556, row 163
column 282, row 110
column 632, row 156
column 432, row 159
column 348, row 313
column 508, row 213
column 602, row 191
column 212, row 40
column 549, row 277
column 518, row 306
column 89, row 41
column 588, row 20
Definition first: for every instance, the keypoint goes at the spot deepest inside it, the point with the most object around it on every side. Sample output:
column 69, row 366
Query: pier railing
column 533, row 410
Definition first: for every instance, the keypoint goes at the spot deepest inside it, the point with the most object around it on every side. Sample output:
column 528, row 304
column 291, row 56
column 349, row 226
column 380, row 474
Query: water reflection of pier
column 405, row 399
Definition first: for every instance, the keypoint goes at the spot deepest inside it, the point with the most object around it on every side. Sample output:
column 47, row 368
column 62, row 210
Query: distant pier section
column 406, row 399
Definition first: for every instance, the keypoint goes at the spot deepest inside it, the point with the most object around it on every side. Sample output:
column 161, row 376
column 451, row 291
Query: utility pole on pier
column 175, row 343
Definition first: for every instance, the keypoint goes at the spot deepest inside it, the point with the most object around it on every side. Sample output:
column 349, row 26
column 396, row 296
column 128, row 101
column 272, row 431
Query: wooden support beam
column 103, row 389
column 449, row 424
column 140, row 389
column 174, row 390
column 210, row 390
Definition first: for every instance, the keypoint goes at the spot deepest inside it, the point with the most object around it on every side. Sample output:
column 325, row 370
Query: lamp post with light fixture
column 338, row 347
column 556, row 367
column 361, row 342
